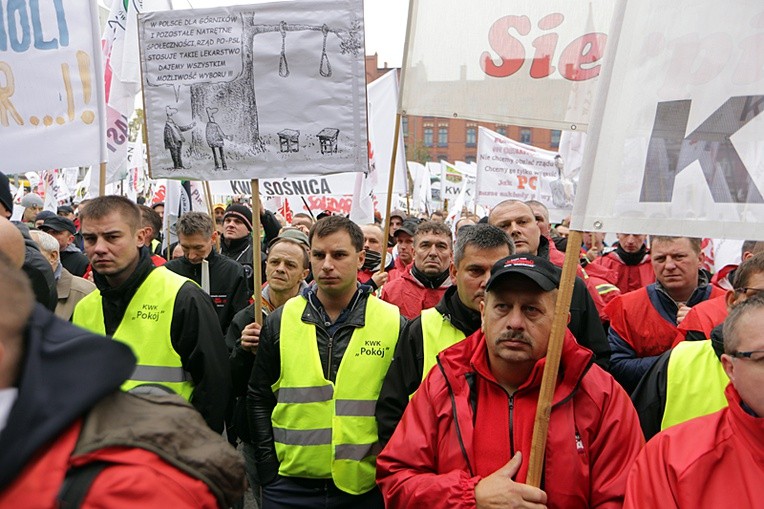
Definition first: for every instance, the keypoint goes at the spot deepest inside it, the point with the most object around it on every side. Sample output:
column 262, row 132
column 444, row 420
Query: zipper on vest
column 330, row 345
column 511, row 417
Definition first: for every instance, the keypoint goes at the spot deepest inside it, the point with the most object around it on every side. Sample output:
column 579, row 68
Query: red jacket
column 131, row 482
column 711, row 461
column 411, row 296
column 702, row 319
column 437, row 456
column 399, row 268
column 557, row 257
column 628, row 277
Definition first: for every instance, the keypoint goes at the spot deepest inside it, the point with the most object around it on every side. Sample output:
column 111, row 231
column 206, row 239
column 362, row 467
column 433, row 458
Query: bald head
column 11, row 243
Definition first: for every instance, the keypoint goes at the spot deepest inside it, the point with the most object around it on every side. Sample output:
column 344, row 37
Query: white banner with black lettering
column 680, row 146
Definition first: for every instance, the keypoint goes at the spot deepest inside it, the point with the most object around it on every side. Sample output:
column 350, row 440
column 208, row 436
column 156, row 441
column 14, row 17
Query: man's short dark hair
column 150, row 217
column 729, row 330
column 482, row 236
column 752, row 246
column 435, row 227
column 749, row 268
column 695, row 243
column 103, row 206
column 193, row 223
column 333, row 224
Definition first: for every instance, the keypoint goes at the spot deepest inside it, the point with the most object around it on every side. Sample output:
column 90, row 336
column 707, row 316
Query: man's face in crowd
column 303, row 224
column 196, row 247
column 219, row 213
column 159, row 209
column 335, row 263
column 517, row 220
column 473, row 271
column 372, row 238
column 112, row 246
column 234, row 228
column 395, row 223
column 405, row 244
column 540, row 215
column 432, row 252
column 631, row 242
column 63, row 237
column 747, row 375
column 517, row 320
column 676, row 266
column 285, row 268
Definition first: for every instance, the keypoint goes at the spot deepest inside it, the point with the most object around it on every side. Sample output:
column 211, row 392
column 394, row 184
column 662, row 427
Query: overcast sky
column 385, row 25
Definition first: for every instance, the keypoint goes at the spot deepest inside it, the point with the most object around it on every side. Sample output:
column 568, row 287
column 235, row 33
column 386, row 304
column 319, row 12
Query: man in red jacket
column 716, row 460
column 425, row 282
column 465, row 438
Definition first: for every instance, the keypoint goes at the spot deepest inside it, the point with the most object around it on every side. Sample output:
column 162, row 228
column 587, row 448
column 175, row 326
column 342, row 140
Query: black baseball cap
column 409, row 226
column 66, row 209
column 543, row 272
column 59, row 224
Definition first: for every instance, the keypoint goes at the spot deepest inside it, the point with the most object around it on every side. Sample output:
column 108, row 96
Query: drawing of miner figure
column 173, row 137
column 215, row 138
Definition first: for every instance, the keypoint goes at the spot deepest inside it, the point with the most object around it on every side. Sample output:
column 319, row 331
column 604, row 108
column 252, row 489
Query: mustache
column 515, row 335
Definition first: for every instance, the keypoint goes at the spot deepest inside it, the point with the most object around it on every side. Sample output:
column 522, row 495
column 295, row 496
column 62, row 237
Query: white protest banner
column 382, row 98
column 451, row 184
column 256, row 91
column 510, row 170
column 522, row 62
column 679, row 149
column 51, row 88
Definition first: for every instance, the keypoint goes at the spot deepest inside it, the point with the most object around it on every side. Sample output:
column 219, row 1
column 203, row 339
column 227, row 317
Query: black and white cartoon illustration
column 215, row 138
column 173, row 137
column 273, row 77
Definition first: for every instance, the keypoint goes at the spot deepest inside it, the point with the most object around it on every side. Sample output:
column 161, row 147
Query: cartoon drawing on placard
column 215, row 138
column 264, row 83
column 173, row 137
column 563, row 188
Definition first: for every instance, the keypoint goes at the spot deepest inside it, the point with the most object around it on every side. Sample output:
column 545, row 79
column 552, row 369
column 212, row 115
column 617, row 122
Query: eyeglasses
column 756, row 356
column 750, row 292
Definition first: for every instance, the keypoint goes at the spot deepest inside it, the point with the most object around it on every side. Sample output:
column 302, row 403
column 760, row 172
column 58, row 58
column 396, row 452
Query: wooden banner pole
column 256, row 253
column 552, row 364
column 393, row 158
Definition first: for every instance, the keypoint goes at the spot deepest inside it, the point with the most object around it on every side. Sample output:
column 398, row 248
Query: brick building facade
column 455, row 139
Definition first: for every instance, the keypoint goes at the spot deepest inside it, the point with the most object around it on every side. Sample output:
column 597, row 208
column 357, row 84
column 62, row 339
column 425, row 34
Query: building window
column 470, row 159
column 405, row 126
column 428, row 136
column 471, row 136
column 502, row 130
column 555, row 141
column 525, row 136
column 442, row 136
column 441, row 157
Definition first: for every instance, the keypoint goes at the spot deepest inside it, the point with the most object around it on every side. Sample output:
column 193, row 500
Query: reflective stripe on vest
column 323, row 430
column 437, row 334
column 145, row 327
column 695, row 383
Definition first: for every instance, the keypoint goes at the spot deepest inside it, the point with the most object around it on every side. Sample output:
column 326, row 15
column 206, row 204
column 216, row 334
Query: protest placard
column 679, row 149
column 523, row 62
column 256, row 91
column 510, row 170
column 51, row 86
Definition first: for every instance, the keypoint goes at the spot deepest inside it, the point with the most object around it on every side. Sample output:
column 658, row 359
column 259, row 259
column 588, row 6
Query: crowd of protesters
column 412, row 384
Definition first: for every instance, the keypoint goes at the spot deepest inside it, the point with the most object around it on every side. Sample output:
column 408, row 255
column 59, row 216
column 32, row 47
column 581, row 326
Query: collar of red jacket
column 471, row 356
column 748, row 429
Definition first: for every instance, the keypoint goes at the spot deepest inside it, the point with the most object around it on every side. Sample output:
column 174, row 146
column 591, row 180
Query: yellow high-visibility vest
column 325, row 430
column 437, row 334
column 695, row 383
column 145, row 327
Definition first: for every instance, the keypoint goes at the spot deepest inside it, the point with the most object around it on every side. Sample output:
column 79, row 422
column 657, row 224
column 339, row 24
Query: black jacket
column 39, row 271
column 66, row 370
column 260, row 398
column 194, row 333
column 240, row 250
column 585, row 323
column 649, row 397
column 228, row 284
column 405, row 372
column 75, row 262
